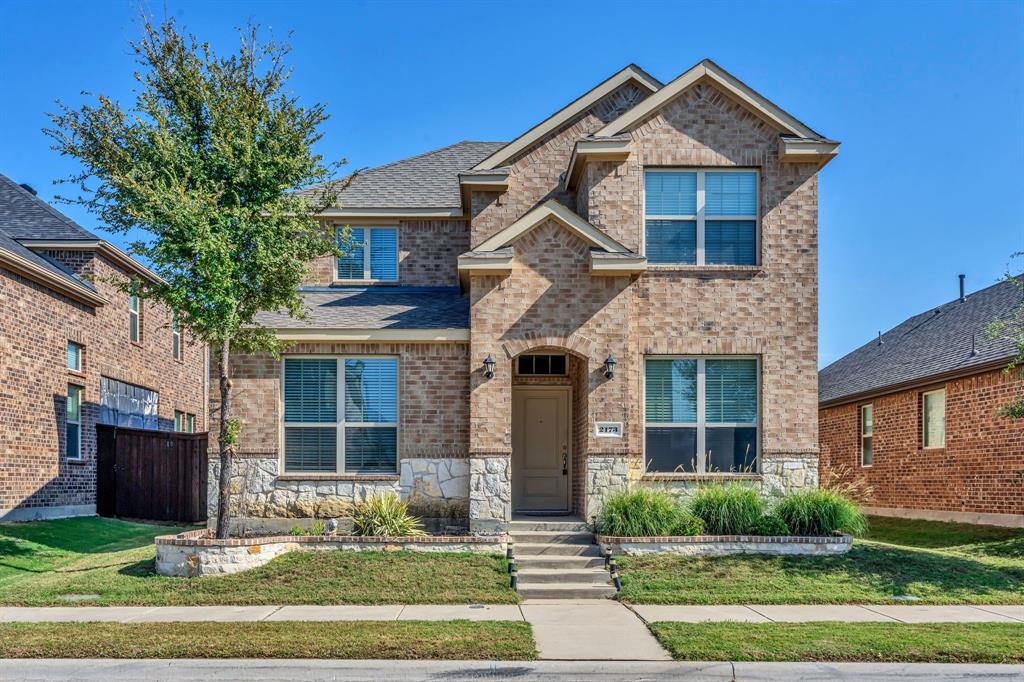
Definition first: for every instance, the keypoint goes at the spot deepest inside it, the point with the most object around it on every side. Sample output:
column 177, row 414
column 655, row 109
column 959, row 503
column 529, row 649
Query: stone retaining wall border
column 725, row 545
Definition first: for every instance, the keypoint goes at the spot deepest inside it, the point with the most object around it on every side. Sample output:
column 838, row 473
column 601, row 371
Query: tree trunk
column 226, row 447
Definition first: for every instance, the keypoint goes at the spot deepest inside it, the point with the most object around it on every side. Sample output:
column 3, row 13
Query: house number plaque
column 609, row 430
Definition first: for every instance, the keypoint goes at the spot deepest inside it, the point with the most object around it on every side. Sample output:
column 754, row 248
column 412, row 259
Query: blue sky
column 925, row 97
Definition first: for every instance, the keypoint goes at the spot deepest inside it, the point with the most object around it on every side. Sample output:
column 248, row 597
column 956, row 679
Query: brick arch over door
column 576, row 344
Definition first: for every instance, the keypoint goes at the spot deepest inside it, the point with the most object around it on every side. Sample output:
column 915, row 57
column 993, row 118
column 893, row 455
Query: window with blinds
column 701, row 414
column 701, row 217
column 867, row 430
column 369, row 253
column 933, row 418
column 341, row 415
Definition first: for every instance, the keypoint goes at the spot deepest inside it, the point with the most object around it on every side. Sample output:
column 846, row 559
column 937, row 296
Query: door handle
column 565, row 462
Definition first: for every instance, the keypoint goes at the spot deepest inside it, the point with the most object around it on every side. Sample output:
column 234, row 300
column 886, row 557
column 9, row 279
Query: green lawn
column 457, row 639
column 42, row 563
column 940, row 563
column 869, row 642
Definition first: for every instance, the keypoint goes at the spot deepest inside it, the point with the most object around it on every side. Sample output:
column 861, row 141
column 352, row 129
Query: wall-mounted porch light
column 609, row 367
column 489, row 364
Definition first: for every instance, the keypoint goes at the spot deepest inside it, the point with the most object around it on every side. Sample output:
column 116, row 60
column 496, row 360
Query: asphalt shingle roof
column 931, row 344
column 25, row 216
column 429, row 180
column 377, row 308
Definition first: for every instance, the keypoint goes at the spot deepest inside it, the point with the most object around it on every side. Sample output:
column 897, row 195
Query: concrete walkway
column 895, row 613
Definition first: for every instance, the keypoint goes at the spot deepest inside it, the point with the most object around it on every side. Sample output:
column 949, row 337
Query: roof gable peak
column 560, row 213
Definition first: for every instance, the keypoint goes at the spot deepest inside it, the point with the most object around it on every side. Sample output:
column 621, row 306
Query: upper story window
column 341, row 415
column 701, row 414
column 184, row 422
column 933, row 418
column 371, row 254
column 73, row 423
column 175, row 337
column 134, row 318
column 701, row 217
column 123, row 404
column 867, row 426
column 74, row 356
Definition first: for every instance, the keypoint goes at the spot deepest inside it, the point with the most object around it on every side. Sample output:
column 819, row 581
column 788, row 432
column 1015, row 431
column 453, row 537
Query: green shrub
column 771, row 524
column 821, row 512
column 384, row 515
column 318, row 527
column 645, row 513
column 297, row 531
column 730, row 509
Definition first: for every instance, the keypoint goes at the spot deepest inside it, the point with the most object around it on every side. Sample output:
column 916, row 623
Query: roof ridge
column 422, row 154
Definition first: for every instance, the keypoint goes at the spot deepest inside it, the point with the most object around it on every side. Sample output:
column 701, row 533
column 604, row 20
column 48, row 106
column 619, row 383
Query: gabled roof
column 707, row 69
column 631, row 73
column 558, row 212
column 23, row 215
column 425, row 181
column 945, row 341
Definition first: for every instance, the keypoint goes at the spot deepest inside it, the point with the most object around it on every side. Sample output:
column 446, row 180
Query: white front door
column 540, row 449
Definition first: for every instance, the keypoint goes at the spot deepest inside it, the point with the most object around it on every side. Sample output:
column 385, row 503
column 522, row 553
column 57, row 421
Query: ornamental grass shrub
column 821, row 512
column 644, row 513
column 385, row 515
column 729, row 509
column 771, row 524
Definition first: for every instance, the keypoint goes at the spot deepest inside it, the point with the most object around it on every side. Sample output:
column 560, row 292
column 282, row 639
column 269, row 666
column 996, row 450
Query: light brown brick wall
column 35, row 326
column 428, row 252
column 981, row 469
column 769, row 311
column 433, row 396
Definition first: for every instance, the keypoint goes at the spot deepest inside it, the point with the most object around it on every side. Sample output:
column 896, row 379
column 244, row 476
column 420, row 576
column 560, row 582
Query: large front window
column 369, row 253
column 700, row 217
column 701, row 414
column 341, row 415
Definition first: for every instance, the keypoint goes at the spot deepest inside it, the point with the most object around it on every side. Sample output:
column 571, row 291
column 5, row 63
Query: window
column 74, row 356
column 73, row 424
column 175, row 337
column 127, row 405
column 184, row 422
column 933, row 418
column 370, row 254
column 134, row 320
column 543, row 365
column 701, row 414
column 866, row 431
column 701, row 217
column 341, row 415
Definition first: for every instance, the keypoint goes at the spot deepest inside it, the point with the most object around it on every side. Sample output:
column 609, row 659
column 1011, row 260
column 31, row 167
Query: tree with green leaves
column 206, row 165
column 1011, row 329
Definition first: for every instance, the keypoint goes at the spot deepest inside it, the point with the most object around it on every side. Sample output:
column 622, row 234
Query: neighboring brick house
column 915, row 414
column 76, row 351
column 626, row 294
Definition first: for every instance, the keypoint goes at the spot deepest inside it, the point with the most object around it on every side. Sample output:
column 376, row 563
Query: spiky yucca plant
column 385, row 515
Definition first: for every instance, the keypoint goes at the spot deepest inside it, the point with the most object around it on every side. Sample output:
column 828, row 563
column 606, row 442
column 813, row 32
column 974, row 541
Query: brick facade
column 977, row 476
column 36, row 477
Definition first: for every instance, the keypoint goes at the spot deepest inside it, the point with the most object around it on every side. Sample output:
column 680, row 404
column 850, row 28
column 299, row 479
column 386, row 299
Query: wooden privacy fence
column 153, row 475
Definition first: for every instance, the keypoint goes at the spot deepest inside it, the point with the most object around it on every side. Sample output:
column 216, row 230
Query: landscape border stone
column 725, row 545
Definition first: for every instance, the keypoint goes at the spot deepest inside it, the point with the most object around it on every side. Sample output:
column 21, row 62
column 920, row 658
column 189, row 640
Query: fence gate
column 153, row 475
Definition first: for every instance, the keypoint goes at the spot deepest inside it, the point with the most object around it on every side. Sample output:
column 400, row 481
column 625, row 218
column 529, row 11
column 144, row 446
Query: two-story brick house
column 75, row 351
column 625, row 294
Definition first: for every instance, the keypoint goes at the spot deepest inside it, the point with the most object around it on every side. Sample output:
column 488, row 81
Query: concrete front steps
column 558, row 560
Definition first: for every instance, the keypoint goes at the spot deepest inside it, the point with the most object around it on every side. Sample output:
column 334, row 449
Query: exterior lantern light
column 489, row 364
column 609, row 367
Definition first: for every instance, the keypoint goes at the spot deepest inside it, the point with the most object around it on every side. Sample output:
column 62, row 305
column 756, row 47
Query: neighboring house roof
column 428, row 180
column 631, row 73
column 372, row 312
column 707, row 69
column 945, row 341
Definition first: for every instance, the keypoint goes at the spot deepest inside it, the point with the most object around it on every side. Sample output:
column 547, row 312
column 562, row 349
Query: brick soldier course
column 537, row 246
column 56, row 287
column 977, row 474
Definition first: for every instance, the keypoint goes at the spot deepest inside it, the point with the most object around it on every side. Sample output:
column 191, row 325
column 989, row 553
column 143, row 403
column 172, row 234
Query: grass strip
column 458, row 640
column 830, row 642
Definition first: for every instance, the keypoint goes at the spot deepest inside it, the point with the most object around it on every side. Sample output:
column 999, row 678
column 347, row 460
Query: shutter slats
column 730, row 193
column 671, row 391
column 671, row 241
column 310, row 449
column 731, row 391
column 731, row 242
column 371, row 449
column 670, row 193
column 310, row 390
column 371, row 390
column 384, row 254
column 350, row 263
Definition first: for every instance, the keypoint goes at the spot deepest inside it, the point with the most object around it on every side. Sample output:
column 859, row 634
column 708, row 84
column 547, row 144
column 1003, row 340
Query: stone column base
column 490, row 494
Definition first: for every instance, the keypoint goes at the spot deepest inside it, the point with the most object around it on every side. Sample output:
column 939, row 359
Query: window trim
column 177, row 351
column 77, row 422
column 864, row 436
column 78, row 356
column 701, row 423
column 699, row 217
column 515, row 365
column 924, row 426
column 367, row 239
column 340, row 424
column 134, row 318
